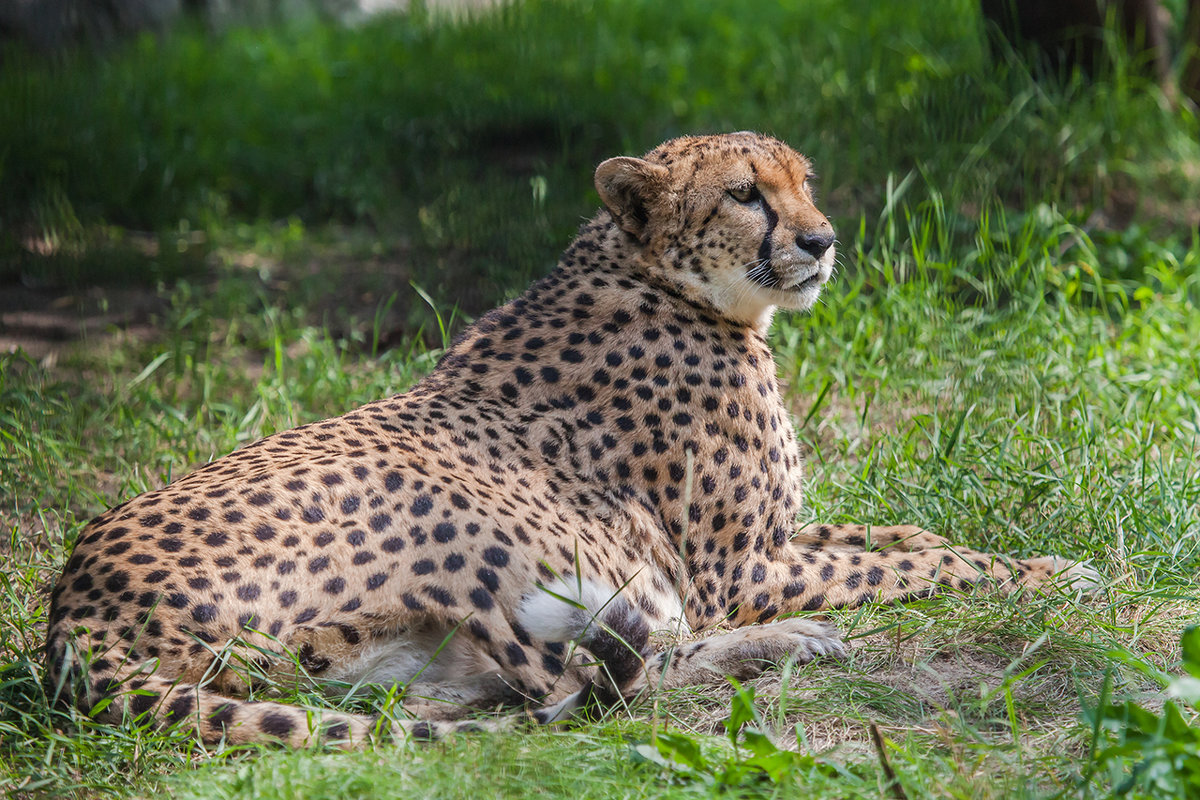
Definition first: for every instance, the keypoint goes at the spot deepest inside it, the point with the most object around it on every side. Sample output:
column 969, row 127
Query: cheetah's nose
column 815, row 244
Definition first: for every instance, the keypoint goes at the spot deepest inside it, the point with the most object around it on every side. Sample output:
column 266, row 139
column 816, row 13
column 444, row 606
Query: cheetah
column 605, row 456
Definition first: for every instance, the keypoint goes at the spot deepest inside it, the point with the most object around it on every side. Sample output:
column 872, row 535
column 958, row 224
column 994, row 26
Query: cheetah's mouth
column 812, row 281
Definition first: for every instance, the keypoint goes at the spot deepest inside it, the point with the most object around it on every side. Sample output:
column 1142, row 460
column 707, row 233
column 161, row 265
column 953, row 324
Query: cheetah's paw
column 805, row 639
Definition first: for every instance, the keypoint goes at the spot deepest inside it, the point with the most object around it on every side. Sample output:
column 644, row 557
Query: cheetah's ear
column 627, row 186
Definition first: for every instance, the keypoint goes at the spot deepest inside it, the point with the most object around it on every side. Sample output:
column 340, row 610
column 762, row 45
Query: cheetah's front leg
column 845, row 574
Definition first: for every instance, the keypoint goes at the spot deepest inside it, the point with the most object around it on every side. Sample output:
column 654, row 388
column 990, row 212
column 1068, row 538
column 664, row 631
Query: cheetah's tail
column 137, row 694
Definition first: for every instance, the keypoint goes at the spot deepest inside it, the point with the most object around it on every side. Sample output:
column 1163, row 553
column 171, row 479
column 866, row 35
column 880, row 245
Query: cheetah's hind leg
column 617, row 634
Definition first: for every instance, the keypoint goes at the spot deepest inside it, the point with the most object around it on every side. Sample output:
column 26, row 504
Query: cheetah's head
column 729, row 220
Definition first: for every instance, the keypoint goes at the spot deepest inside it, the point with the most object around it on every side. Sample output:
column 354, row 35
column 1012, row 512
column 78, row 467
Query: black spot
column 335, row 586
column 393, row 481
column 392, row 545
column 376, row 580
column 248, row 592
column 481, row 599
column 205, row 612
column 142, row 702
column 439, row 595
column 423, row 567
column 422, row 505
column 516, row 654
column 496, row 556
column 117, row 582
column 264, row 532
column 277, row 724
column 552, row 664
column 423, row 732
column 181, row 706
column 379, row 522
column 313, row 514
column 488, row 578
column 444, row 532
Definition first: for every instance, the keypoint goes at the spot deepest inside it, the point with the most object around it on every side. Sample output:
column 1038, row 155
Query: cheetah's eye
column 745, row 194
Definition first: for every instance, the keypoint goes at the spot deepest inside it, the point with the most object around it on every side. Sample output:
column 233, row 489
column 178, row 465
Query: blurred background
column 337, row 153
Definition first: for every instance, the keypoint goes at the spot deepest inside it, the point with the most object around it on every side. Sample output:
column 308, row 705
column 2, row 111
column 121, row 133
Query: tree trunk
column 1189, row 80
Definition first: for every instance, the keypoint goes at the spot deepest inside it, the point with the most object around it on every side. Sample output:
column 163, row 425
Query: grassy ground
column 1006, row 357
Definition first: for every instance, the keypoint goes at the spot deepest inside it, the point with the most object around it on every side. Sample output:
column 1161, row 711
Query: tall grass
column 388, row 123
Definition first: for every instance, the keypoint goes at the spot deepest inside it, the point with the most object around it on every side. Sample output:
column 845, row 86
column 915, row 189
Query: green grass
column 990, row 362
